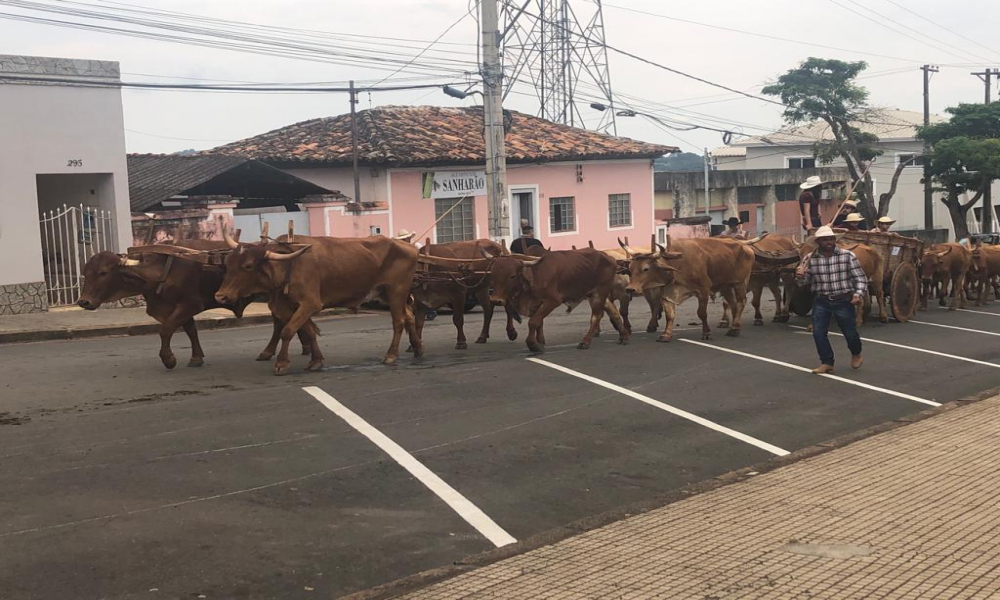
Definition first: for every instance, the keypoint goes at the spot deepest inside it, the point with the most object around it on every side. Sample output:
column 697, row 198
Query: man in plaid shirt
column 839, row 284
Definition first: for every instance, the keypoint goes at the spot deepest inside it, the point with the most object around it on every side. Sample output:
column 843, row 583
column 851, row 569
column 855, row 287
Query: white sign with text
column 456, row 184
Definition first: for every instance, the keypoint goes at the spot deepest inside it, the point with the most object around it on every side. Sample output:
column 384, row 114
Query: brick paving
column 909, row 513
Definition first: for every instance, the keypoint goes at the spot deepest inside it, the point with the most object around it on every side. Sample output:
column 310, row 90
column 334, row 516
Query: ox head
column 250, row 270
column 649, row 270
column 108, row 277
column 932, row 262
column 510, row 275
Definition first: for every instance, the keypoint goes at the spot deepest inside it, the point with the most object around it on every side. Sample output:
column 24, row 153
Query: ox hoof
column 597, row 334
column 883, row 319
column 512, row 334
column 409, row 348
column 951, row 308
column 733, row 333
column 536, row 348
column 652, row 327
column 419, row 353
column 389, row 360
column 169, row 362
column 316, row 365
column 583, row 346
column 664, row 338
column 723, row 324
column 481, row 340
column 306, row 350
column 281, row 369
column 623, row 341
column 196, row 362
column 758, row 322
column 706, row 336
column 265, row 356
column 462, row 346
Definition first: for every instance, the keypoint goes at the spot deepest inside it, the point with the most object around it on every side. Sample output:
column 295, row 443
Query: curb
column 429, row 577
column 82, row 333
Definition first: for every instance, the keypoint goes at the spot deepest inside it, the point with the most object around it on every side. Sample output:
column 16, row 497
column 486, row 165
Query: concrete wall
column 56, row 129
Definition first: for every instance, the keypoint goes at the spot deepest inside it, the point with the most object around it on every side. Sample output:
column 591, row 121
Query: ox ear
column 944, row 253
column 661, row 263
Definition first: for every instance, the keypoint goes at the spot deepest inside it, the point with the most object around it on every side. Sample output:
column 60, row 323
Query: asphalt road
column 120, row 479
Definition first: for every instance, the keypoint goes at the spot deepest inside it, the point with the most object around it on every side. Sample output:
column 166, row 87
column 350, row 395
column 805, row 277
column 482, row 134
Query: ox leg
column 535, row 324
column 654, row 298
column 618, row 322
column 756, row 291
column 511, row 332
column 626, row 303
column 483, row 297
column 458, row 319
column 960, row 286
column 981, row 292
column 727, row 308
column 774, row 285
column 272, row 346
column 732, row 296
column 669, row 315
column 177, row 318
column 401, row 318
column 596, row 313
column 883, row 314
column 419, row 317
column 305, row 338
column 310, row 333
column 706, row 331
column 197, row 354
column 303, row 313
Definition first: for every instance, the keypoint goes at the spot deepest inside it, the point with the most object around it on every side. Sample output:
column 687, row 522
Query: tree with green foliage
column 965, row 157
column 825, row 90
column 682, row 162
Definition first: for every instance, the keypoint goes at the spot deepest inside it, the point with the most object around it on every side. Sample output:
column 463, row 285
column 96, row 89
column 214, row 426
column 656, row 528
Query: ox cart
column 900, row 273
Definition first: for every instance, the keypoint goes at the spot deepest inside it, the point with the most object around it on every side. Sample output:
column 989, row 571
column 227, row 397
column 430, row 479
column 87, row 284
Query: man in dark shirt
column 527, row 240
column 810, row 197
column 848, row 207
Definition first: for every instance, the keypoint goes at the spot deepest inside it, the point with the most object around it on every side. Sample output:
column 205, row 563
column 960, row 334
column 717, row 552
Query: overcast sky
column 167, row 121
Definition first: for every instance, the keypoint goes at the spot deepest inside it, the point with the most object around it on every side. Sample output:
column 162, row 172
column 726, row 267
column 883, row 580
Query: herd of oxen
column 300, row 276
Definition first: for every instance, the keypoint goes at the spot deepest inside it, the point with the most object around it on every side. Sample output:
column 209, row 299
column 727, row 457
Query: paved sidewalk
column 913, row 512
column 76, row 323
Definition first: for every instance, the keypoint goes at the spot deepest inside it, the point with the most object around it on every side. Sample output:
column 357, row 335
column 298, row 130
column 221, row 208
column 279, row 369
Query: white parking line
column 915, row 349
column 465, row 509
column 954, row 327
column 666, row 407
column 978, row 312
column 828, row 376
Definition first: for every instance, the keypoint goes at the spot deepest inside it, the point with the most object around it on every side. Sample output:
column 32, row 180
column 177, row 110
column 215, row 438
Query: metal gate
column 70, row 236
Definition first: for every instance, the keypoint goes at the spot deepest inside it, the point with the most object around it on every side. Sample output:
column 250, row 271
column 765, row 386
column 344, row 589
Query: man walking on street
column 839, row 284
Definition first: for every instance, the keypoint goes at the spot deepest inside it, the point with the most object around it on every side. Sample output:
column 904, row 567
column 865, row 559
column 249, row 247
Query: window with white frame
column 459, row 224
column 562, row 214
column 620, row 210
column 917, row 159
column 801, row 162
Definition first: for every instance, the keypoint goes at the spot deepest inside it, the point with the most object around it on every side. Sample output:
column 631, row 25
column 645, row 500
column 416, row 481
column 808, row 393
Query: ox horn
column 290, row 256
column 666, row 254
column 225, row 235
column 503, row 246
column 129, row 262
column 291, row 230
column 485, row 252
column 624, row 245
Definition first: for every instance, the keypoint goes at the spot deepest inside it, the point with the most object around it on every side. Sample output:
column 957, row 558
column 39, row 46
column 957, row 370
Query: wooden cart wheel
column 802, row 301
column 904, row 292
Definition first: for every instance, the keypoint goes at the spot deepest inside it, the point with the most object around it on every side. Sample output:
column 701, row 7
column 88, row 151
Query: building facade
column 421, row 170
column 63, row 157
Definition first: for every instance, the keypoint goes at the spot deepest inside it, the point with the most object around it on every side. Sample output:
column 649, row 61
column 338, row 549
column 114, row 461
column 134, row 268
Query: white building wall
column 55, row 129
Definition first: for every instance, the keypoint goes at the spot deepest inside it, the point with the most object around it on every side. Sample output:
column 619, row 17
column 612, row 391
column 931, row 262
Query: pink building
column 422, row 170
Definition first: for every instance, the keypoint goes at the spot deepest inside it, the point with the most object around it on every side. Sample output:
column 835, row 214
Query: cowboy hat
column 854, row 218
column 850, row 202
column 824, row 231
column 886, row 220
column 733, row 221
column 404, row 234
column 811, row 182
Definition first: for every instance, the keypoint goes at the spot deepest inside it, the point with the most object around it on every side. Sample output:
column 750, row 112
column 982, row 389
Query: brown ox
column 324, row 273
column 871, row 263
column 771, row 277
column 950, row 263
column 620, row 293
column 537, row 287
column 173, row 296
column 435, row 294
column 695, row 267
column 985, row 271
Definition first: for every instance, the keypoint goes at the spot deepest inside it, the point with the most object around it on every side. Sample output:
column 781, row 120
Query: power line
column 935, row 23
column 212, row 88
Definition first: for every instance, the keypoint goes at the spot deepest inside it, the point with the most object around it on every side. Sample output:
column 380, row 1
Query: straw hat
column 854, row 218
column 811, row 182
column 404, row 234
column 851, row 203
column 886, row 220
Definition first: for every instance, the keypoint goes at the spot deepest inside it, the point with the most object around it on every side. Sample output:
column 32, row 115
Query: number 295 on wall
column 74, row 162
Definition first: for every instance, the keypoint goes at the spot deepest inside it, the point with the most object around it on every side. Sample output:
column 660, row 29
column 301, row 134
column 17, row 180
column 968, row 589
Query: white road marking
column 978, row 312
column 954, row 327
column 465, row 509
column 666, row 407
column 924, row 350
column 828, row 376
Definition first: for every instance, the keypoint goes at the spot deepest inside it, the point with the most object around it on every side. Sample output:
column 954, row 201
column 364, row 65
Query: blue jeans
column 843, row 311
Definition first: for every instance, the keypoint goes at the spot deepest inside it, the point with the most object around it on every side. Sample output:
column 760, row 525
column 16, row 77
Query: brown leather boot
column 823, row 369
column 857, row 361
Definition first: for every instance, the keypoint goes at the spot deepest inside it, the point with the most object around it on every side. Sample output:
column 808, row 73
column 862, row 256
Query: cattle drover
column 839, row 284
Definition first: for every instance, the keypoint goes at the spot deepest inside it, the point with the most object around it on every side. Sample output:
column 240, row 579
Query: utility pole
column 354, row 144
column 708, row 202
column 496, row 155
column 928, row 194
column 987, row 221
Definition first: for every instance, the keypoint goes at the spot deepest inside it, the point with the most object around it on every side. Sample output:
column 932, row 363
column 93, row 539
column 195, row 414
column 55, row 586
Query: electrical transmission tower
column 557, row 47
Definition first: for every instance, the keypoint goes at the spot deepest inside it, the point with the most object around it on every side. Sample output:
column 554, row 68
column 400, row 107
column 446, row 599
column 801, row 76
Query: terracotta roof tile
column 432, row 135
